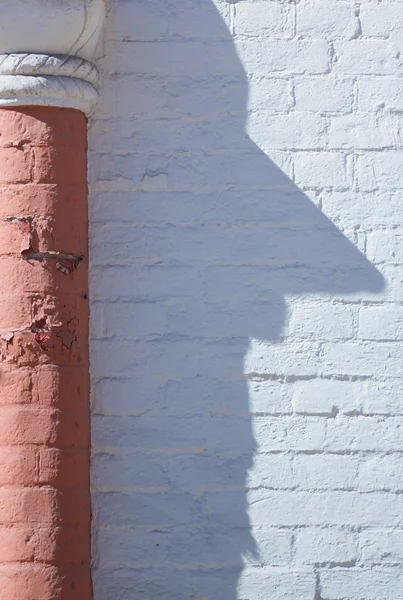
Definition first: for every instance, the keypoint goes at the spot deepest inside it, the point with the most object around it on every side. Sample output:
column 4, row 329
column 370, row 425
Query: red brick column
column 44, row 391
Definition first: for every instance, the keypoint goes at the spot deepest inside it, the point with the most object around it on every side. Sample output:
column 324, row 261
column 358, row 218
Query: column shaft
column 44, row 314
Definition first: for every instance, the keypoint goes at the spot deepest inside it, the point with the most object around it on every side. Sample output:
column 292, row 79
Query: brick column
column 45, row 508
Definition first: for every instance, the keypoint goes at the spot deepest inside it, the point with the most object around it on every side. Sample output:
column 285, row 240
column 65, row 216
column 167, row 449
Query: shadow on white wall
column 198, row 238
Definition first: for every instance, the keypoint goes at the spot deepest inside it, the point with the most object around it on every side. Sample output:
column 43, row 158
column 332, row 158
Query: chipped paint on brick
column 68, row 265
column 44, row 400
column 42, row 333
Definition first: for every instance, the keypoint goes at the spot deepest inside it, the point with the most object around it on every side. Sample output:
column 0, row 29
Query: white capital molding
column 46, row 49
column 43, row 80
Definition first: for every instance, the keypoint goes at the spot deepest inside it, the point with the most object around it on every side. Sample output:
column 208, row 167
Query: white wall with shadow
column 210, row 266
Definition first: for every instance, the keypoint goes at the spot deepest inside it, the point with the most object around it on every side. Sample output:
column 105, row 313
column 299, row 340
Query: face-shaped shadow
column 197, row 238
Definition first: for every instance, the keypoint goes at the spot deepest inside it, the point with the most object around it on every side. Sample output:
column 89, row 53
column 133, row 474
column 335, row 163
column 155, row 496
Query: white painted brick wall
column 247, row 289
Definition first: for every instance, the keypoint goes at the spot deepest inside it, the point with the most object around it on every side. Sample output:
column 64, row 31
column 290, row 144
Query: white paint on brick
column 327, row 396
column 262, row 57
column 272, row 19
column 382, row 473
column 377, row 170
column 247, row 285
column 381, row 20
column 330, row 508
column 322, row 170
column 329, row 20
column 319, row 546
column 377, row 93
column 374, row 584
column 355, row 209
column 366, row 57
column 364, row 132
column 381, row 546
column 326, row 472
column 296, row 130
column 324, row 94
column 331, row 322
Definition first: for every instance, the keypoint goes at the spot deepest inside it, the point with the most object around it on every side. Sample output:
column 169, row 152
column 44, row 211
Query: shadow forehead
column 248, row 208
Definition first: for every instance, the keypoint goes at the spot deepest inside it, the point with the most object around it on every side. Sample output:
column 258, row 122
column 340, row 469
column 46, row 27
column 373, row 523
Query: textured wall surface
column 247, row 322
column 45, row 516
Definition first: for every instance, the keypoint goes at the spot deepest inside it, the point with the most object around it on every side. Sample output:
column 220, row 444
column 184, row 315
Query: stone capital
column 46, row 49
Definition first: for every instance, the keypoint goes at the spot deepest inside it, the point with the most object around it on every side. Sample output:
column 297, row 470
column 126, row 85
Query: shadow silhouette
column 198, row 237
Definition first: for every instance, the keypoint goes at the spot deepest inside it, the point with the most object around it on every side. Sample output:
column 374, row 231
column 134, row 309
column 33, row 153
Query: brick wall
column 247, row 266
